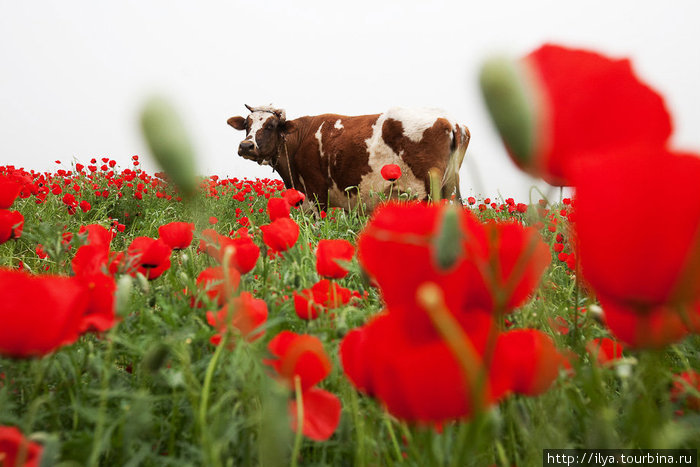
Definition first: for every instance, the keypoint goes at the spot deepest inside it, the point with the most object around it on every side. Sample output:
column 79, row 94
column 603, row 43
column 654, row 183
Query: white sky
column 73, row 74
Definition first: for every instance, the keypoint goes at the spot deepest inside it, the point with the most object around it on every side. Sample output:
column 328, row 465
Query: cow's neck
column 285, row 164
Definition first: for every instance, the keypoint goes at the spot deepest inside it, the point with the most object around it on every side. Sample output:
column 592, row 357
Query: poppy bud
column 448, row 242
column 155, row 357
column 123, row 295
column 510, row 103
column 166, row 137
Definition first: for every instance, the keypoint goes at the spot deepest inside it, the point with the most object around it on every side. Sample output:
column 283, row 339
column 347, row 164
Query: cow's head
column 265, row 129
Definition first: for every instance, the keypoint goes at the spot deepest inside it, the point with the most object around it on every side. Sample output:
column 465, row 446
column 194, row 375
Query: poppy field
column 159, row 319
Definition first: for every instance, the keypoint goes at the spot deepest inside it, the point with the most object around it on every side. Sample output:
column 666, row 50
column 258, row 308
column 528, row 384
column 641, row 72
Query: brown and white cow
column 336, row 160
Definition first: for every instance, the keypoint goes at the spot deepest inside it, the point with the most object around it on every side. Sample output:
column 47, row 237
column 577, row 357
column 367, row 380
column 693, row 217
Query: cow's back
column 342, row 155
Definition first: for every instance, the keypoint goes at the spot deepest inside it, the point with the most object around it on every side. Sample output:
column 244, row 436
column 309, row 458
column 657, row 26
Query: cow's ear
column 237, row 122
column 289, row 126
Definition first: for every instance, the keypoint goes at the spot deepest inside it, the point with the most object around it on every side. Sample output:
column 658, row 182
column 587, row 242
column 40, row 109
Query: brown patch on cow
column 433, row 150
column 345, row 158
column 345, row 149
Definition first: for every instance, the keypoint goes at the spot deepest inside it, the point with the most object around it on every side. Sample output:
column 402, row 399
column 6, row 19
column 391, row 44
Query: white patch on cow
column 257, row 120
column 338, row 125
column 318, row 137
column 415, row 121
column 380, row 154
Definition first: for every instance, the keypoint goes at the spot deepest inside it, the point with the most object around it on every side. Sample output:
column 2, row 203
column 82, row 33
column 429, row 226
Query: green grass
column 154, row 391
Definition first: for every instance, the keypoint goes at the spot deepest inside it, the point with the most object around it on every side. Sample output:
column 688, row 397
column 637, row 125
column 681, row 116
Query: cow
column 336, row 160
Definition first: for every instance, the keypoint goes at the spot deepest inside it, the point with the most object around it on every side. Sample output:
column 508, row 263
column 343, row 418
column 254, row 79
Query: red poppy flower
column 605, row 350
column 85, row 206
column 327, row 254
column 213, row 281
column 293, row 197
column 564, row 94
column 69, row 200
column 213, row 220
column 99, row 314
column 399, row 251
column 90, row 259
column 15, row 449
column 302, row 356
column 304, row 305
column 245, row 252
column 522, row 258
column 492, row 267
column 151, row 256
column 654, row 327
column 97, row 235
column 416, row 382
column 277, row 208
column 653, row 258
column 9, row 190
column 299, row 355
column 34, row 332
column 281, row 234
column 391, row 172
column 177, row 235
column 527, row 361
column 321, row 414
column 683, row 387
column 322, row 296
column 11, row 225
column 243, row 313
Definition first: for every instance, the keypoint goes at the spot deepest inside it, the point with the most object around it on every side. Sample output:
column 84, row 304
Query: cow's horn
column 249, row 107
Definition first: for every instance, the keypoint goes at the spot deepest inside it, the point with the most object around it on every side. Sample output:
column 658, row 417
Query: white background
column 73, row 74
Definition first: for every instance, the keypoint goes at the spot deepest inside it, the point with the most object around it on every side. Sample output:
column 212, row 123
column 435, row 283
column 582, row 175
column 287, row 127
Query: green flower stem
column 104, row 390
column 300, row 421
column 394, row 441
column 204, row 402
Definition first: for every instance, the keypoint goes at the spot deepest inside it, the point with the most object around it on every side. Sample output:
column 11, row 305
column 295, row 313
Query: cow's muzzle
column 248, row 151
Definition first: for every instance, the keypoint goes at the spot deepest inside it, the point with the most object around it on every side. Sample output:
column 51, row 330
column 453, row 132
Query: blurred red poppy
column 321, row 414
column 526, row 361
column 323, row 295
column 9, row 190
column 604, row 350
column 684, row 385
column 653, row 257
column 281, row 234
column 34, row 331
column 327, row 254
column 277, row 208
column 574, row 93
column 486, row 267
column 177, row 235
column 97, row 235
column 17, row 450
column 654, row 327
column 11, row 225
column 213, row 281
column 417, row 382
column 299, row 355
column 520, row 257
column 302, row 356
column 99, row 314
column 243, row 313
